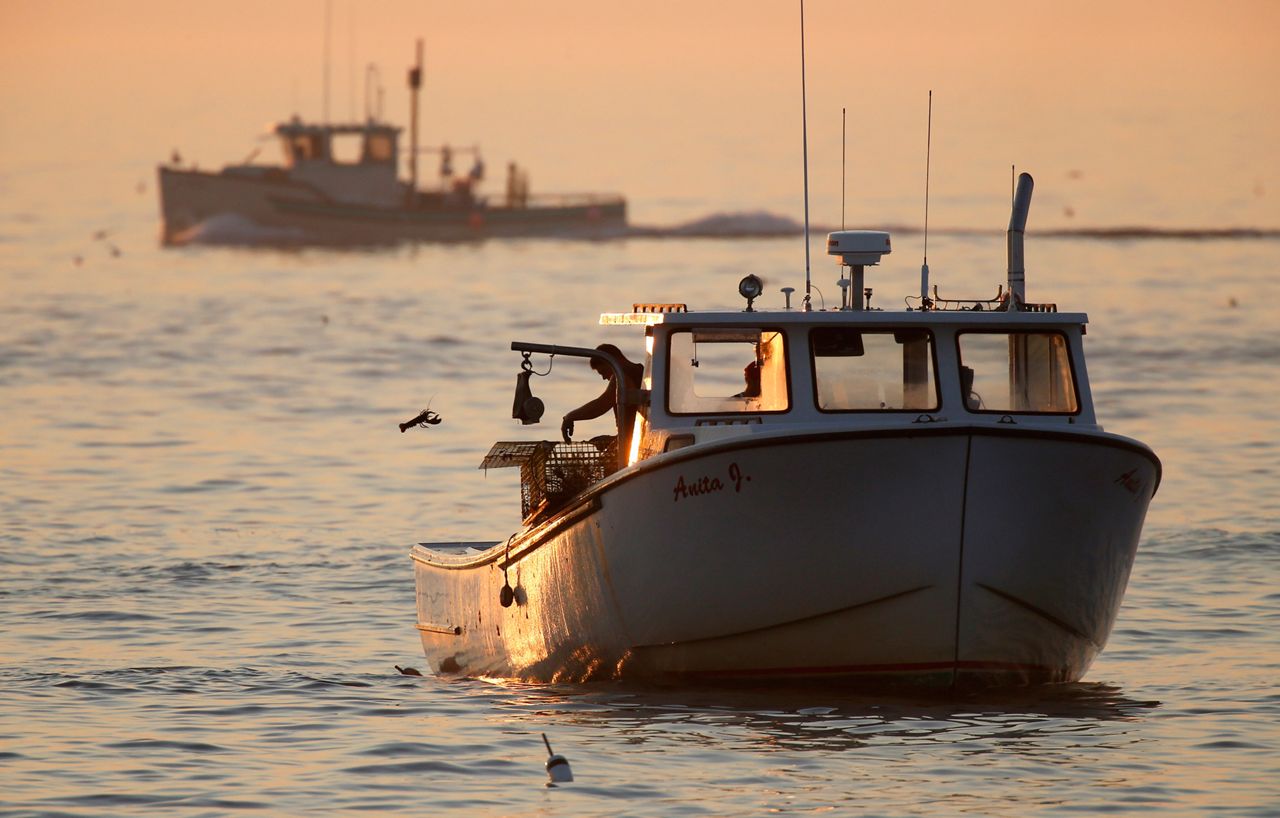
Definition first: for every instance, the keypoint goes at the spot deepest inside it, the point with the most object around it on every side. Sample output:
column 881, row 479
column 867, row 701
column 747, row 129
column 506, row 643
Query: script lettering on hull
column 709, row 484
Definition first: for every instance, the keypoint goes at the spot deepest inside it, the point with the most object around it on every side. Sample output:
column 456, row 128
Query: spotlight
column 750, row 288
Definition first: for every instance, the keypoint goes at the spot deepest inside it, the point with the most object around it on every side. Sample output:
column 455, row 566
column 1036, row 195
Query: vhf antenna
column 843, row 185
column 328, row 15
column 804, row 128
column 928, row 155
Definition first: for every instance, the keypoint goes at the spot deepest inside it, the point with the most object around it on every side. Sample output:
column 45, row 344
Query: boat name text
column 708, row 484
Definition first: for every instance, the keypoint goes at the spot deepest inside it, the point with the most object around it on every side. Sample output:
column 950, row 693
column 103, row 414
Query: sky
column 1172, row 109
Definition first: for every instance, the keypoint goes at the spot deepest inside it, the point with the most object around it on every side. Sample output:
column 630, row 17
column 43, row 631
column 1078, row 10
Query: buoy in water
column 558, row 770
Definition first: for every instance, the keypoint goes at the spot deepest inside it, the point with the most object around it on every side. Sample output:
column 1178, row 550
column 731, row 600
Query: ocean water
column 206, row 509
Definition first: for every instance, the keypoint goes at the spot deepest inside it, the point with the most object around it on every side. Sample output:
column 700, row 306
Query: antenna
column 804, row 128
column 843, row 186
column 928, row 156
column 351, row 62
column 328, row 15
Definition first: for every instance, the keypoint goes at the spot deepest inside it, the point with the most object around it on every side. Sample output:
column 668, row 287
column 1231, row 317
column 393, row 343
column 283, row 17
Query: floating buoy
column 558, row 770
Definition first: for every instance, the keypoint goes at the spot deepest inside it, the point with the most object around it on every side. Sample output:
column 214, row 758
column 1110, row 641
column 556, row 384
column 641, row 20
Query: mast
column 928, row 153
column 415, row 83
column 328, row 16
column 804, row 128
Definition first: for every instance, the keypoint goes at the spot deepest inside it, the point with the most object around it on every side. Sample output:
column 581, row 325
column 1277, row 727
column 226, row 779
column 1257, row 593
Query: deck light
column 750, row 288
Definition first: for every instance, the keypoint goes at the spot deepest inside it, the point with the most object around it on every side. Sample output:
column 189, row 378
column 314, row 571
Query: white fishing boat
column 340, row 183
column 923, row 495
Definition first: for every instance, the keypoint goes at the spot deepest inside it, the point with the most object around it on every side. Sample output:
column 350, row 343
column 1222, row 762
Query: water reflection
column 822, row 718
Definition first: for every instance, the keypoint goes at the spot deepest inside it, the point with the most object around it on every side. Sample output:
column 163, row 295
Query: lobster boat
column 922, row 496
column 339, row 183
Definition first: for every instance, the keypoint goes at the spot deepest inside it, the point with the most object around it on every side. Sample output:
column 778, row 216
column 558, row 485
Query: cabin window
column 302, row 147
column 346, row 148
column 861, row 370
column 1017, row 372
column 727, row 370
column 379, row 147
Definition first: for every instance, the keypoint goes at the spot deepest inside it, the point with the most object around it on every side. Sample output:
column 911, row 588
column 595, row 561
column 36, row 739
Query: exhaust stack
column 1017, row 226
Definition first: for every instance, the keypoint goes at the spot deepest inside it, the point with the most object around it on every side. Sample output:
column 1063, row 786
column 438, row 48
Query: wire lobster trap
column 551, row 473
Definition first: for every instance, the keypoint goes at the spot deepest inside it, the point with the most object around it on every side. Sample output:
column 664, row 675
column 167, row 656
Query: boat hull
column 938, row 557
column 190, row 198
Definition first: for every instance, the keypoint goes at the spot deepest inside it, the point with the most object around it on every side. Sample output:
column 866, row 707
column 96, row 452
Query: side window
column 304, row 146
column 1026, row 372
column 718, row 370
column 378, row 147
column 859, row 370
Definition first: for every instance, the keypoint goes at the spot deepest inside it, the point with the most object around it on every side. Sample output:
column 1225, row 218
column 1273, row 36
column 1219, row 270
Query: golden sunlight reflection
column 208, row 505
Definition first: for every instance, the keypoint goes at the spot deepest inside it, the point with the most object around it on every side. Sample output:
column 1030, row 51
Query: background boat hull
column 190, row 198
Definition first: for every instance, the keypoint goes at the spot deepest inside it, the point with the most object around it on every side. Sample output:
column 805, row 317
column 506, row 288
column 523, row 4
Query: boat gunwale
column 518, row 545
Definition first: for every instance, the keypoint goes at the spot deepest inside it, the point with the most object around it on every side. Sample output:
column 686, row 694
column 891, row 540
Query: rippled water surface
column 206, row 510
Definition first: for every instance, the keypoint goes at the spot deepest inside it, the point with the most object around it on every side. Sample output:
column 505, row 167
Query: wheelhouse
column 368, row 143
column 716, row 374
column 353, row 163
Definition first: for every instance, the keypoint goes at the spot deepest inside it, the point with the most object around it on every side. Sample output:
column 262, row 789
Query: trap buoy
column 558, row 770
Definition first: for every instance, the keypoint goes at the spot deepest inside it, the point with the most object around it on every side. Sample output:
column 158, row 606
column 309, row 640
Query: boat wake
column 752, row 223
column 234, row 229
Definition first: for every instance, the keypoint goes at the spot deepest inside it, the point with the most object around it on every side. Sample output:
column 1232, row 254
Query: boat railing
column 571, row 200
column 999, row 303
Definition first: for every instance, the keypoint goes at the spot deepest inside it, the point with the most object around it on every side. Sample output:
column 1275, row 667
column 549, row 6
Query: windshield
column 1017, row 372
column 858, row 370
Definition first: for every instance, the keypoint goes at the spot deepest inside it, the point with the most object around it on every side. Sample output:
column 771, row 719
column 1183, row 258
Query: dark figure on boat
column 750, row 374
column 605, row 402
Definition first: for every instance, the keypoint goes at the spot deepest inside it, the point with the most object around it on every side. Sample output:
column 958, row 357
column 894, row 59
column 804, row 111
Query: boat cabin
column 711, row 375
column 354, row 163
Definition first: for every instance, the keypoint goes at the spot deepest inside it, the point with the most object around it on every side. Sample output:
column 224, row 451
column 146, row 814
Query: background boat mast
column 328, row 17
column 415, row 82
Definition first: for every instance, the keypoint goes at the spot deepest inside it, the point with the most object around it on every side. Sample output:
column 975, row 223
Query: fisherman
column 750, row 374
column 608, row 399
column 513, row 184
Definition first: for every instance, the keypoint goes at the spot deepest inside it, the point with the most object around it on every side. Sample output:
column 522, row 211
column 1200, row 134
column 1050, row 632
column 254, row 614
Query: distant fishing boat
column 340, row 182
column 923, row 496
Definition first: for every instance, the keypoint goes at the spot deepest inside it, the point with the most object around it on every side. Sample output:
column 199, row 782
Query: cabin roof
column 296, row 126
column 799, row 318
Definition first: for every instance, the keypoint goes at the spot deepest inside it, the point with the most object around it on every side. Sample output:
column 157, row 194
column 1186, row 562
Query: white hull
column 190, row 198
column 938, row 555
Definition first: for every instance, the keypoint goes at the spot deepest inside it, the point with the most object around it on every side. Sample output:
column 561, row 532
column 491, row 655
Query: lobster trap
column 551, row 473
